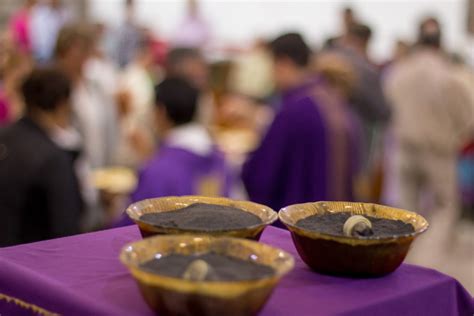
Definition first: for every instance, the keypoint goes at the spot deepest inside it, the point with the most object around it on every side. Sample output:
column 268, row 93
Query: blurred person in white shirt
column 93, row 114
column 136, row 103
column 100, row 68
column 432, row 116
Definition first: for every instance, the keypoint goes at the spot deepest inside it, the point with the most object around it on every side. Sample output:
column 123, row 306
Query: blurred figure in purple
column 20, row 26
column 306, row 153
column 432, row 117
column 47, row 18
column 193, row 31
column 187, row 161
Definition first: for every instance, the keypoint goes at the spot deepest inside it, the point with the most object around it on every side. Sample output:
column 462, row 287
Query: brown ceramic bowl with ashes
column 346, row 255
column 180, row 296
column 264, row 215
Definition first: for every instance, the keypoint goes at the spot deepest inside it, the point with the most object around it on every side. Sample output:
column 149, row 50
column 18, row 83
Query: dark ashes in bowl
column 223, row 267
column 203, row 217
column 332, row 224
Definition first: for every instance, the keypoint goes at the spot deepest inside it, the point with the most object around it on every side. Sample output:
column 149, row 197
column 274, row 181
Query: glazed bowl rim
column 271, row 217
column 286, row 212
column 211, row 288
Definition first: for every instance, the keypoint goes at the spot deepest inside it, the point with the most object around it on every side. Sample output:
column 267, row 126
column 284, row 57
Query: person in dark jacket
column 39, row 191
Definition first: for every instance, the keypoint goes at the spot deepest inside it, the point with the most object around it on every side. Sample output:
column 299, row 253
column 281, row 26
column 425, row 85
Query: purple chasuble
column 305, row 155
column 175, row 171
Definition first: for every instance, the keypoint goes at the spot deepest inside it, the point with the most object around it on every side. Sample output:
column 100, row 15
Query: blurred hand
column 123, row 99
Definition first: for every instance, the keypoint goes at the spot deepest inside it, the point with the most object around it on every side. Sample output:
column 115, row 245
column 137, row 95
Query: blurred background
column 115, row 52
column 316, row 19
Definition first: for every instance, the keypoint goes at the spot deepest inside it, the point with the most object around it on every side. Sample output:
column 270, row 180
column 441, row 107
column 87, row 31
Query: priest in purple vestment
column 308, row 153
column 187, row 161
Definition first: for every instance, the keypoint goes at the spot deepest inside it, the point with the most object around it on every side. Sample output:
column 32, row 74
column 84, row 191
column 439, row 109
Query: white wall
column 238, row 21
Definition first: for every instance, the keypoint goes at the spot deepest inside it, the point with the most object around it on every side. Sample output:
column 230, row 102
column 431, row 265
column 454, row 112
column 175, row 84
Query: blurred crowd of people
column 326, row 124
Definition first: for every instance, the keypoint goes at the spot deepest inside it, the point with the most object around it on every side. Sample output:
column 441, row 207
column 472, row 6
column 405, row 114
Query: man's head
column 188, row 63
column 359, row 36
column 193, row 7
column 291, row 58
column 129, row 10
column 348, row 18
column 176, row 100
column 73, row 47
column 429, row 33
column 144, row 52
column 46, row 92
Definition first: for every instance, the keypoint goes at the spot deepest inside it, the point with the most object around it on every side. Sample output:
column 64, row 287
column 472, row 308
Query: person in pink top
column 20, row 26
column 14, row 66
column 4, row 109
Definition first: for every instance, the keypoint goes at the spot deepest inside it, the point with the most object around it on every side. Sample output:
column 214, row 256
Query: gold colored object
column 31, row 308
column 116, row 180
column 197, row 270
column 176, row 296
column 210, row 185
column 353, row 222
column 347, row 255
column 236, row 141
column 167, row 204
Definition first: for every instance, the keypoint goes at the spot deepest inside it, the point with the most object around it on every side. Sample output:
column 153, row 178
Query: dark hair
column 179, row 98
column 360, row 31
column 45, row 89
column 429, row 37
column 177, row 55
column 330, row 42
column 292, row 46
column 348, row 10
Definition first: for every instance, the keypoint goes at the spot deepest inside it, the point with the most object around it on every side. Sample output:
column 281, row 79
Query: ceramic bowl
column 175, row 296
column 166, row 204
column 342, row 255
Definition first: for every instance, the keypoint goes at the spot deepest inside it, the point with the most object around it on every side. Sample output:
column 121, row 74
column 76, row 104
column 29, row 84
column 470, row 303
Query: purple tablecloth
column 81, row 275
